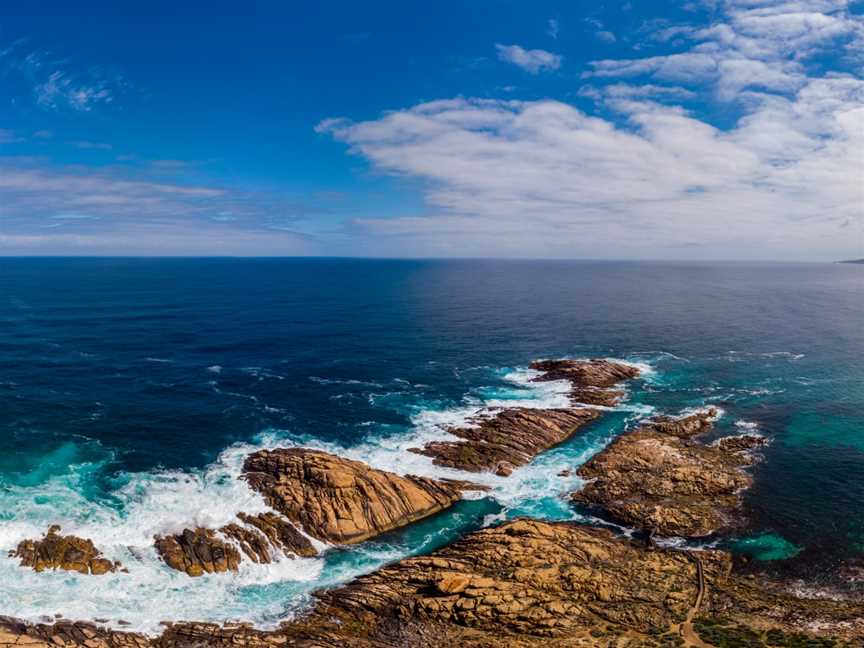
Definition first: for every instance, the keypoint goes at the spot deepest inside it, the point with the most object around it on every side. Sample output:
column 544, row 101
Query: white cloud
column 760, row 45
column 59, row 90
column 606, row 37
column 532, row 61
column 156, row 239
column 545, row 179
column 553, row 28
column 55, row 85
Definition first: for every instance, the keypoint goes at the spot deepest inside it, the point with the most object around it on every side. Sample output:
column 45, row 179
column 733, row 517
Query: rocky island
column 71, row 553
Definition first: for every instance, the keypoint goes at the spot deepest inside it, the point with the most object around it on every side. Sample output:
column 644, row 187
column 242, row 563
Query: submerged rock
column 658, row 479
column 340, row 500
column 55, row 551
column 501, row 441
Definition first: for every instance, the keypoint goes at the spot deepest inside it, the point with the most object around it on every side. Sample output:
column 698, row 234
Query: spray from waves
column 530, row 489
column 123, row 526
column 138, row 506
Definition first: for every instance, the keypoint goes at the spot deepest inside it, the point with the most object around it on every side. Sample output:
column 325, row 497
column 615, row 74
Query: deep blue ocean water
column 133, row 388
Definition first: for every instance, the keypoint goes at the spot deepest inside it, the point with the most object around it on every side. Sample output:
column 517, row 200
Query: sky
column 691, row 130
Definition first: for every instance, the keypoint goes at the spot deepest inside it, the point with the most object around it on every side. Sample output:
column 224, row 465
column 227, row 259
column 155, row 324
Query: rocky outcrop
column 659, row 479
column 590, row 380
column 256, row 537
column 528, row 577
column 500, row 440
column 271, row 532
column 55, row 551
column 506, row 439
column 527, row 584
column 197, row 551
column 339, row 500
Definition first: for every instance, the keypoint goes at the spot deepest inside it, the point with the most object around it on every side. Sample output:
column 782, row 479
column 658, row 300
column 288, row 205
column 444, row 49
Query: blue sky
column 691, row 130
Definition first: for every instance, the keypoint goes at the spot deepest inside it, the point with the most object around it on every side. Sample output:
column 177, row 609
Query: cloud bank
column 651, row 178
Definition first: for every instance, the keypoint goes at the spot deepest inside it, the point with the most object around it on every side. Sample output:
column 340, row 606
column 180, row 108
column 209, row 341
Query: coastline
column 298, row 630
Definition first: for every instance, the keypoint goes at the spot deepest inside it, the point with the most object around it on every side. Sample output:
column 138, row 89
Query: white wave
column 160, row 360
column 216, row 369
column 333, row 381
column 783, row 354
column 749, row 426
column 158, row 502
column 719, row 412
column 147, row 504
column 261, row 373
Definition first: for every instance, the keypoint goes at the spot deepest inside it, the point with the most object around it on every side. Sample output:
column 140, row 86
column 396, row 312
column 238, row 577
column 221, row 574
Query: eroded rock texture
column 55, row 551
column 258, row 538
column 659, row 479
column 527, row 584
column 339, row 500
column 590, row 380
column 502, row 441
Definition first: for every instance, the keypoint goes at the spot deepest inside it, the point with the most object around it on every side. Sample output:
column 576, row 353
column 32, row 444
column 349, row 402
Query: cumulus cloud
column 651, row 178
column 758, row 45
column 532, row 61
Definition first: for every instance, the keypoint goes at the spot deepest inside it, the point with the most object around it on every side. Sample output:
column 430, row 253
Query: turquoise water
column 133, row 389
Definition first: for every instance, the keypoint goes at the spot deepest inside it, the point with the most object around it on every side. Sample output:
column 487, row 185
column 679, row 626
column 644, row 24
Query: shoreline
column 542, row 446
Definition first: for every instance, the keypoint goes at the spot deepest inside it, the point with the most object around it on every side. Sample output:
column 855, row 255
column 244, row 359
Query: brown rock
column 55, row 551
column 280, row 534
column 257, row 537
column 590, row 380
column 585, row 373
column 197, row 552
column 501, row 440
column 658, row 479
column 339, row 500
column 528, row 577
column 524, row 584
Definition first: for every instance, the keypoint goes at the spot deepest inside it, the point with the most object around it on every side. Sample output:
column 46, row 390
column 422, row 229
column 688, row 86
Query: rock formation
column 590, row 380
column 257, row 537
column 506, row 439
column 339, row 500
column 658, row 479
column 500, row 440
column 197, row 552
column 55, row 551
column 528, row 584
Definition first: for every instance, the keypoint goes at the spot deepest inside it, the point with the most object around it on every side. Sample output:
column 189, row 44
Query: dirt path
column 686, row 629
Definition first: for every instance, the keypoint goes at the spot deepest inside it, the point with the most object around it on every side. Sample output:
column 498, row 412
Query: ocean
column 132, row 389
